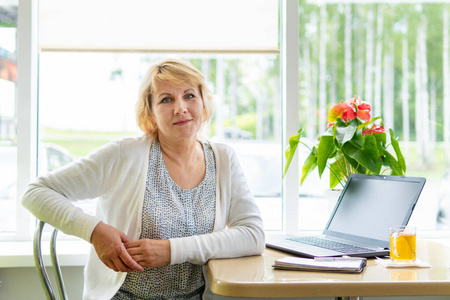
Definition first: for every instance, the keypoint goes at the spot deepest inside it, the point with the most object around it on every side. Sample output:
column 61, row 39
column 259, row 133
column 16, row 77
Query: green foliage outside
column 400, row 22
column 80, row 143
column 6, row 24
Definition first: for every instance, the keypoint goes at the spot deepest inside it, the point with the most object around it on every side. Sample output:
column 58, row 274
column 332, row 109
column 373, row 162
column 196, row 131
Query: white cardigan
column 116, row 173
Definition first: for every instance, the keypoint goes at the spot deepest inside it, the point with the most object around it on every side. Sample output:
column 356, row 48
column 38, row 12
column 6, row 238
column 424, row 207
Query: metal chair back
column 40, row 266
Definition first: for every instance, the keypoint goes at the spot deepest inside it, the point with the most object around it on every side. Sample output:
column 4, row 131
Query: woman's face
column 178, row 111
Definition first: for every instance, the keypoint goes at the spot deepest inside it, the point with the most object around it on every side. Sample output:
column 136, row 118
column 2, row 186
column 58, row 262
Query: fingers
column 111, row 265
column 126, row 257
column 149, row 253
column 124, row 238
column 133, row 244
column 128, row 261
column 118, row 266
column 123, row 263
column 118, row 261
column 109, row 245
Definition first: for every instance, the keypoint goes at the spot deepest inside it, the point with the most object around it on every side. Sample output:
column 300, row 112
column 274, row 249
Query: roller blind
column 159, row 25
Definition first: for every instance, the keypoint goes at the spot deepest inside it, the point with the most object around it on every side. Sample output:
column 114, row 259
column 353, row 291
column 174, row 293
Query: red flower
column 337, row 111
column 349, row 110
column 363, row 114
column 366, row 132
column 349, row 114
column 375, row 129
column 365, row 106
column 362, row 108
column 354, row 100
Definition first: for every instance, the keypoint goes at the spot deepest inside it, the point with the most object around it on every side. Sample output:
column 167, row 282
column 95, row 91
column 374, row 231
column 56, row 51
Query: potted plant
column 352, row 143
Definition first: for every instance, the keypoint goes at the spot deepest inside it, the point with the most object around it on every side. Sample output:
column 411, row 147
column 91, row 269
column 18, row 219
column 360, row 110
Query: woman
column 167, row 202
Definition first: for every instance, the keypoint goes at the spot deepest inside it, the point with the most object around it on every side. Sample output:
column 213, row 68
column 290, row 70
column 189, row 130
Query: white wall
column 23, row 284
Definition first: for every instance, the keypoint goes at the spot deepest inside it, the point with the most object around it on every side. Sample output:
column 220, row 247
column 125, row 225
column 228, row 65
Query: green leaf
column 355, row 165
column 398, row 152
column 381, row 139
column 344, row 132
column 308, row 166
column 357, row 139
column 336, row 175
column 329, row 131
column 370, row 147
column 382, row 159
column 363, row 125
column 361, row 157
column 393, row 164
column 325, row 150
column 290, row 151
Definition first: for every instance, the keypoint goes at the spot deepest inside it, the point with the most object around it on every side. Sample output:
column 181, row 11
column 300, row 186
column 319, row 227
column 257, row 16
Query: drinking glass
column 402, row 243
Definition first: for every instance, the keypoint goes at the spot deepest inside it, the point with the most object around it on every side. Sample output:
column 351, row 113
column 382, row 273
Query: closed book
column 325, row 264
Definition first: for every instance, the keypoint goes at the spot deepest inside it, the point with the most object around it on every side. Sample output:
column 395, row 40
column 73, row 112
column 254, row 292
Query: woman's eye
column 165, row 100
column 190, row 96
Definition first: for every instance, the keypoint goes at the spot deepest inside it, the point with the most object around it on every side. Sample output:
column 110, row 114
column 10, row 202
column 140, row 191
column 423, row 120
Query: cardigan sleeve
column 49, row 198
column 238, row 228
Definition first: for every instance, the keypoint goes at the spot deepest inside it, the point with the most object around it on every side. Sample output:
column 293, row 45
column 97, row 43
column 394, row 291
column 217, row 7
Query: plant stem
column 331, row 170
column 342, row 169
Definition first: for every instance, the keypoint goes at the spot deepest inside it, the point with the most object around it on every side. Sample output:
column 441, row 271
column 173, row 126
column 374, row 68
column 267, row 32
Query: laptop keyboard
column 328, row 244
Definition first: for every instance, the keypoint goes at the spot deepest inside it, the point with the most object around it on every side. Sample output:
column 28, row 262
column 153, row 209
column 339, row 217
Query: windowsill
column 73, row 253
column 70, row 253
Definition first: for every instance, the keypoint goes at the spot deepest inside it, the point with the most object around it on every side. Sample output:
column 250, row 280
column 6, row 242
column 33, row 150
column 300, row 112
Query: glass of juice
column 402, row 243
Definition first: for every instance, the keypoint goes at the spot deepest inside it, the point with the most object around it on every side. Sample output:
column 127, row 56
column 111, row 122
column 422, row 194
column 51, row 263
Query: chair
column 40, row 267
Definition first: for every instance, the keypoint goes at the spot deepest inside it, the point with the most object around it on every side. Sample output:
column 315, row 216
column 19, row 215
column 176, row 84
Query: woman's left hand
column 149, row 253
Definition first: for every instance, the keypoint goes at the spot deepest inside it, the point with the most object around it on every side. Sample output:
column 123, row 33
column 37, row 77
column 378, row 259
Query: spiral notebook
column 359, row 224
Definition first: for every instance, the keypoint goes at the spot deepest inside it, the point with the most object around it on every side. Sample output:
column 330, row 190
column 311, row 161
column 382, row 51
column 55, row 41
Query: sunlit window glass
column 89, row 74
column 8, row 117
column 395, row 56
column 88, row 99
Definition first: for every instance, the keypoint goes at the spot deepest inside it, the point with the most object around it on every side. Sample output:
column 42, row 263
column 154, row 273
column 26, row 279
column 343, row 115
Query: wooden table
column 255, row 277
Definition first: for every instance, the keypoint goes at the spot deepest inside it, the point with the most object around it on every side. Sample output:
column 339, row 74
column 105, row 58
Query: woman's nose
column 180, row 107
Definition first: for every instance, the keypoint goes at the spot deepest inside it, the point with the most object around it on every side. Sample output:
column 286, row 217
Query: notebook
column 359, row 224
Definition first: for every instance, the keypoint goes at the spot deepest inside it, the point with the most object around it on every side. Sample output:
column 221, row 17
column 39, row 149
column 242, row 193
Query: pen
column 338, row 258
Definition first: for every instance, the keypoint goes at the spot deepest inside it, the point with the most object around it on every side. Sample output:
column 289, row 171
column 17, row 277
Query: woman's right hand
column 109, row 245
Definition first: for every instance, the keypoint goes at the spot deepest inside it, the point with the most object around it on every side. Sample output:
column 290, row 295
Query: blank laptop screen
column 370, row 206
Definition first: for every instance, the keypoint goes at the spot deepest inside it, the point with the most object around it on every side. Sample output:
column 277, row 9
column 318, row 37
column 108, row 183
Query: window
column 87, row 99
column 396, row 57
column 393, row 55
column 97, row 67
column 8, row 117
column 87, row 90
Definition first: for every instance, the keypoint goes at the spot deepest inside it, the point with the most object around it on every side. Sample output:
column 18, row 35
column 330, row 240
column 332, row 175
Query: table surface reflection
column 255, row 277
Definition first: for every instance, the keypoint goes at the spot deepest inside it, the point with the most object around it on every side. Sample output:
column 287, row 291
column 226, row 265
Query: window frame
column 27, row 101
column 27, row 114
column 289, row 41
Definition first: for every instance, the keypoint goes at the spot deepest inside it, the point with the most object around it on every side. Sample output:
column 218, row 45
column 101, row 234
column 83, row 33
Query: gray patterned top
column 172, row 212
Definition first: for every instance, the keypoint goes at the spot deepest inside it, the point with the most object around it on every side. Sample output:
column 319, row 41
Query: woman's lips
column 182, row 122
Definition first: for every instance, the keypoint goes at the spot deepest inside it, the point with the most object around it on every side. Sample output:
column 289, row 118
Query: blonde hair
column 175, row 72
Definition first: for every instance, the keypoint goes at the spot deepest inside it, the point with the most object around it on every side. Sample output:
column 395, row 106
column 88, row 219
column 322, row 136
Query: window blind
column 249, row 26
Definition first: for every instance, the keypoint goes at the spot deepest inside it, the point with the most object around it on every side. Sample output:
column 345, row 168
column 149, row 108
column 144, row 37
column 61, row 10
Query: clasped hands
column 119, row 253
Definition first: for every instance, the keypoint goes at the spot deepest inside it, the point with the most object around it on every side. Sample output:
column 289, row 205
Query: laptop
column 359, row 224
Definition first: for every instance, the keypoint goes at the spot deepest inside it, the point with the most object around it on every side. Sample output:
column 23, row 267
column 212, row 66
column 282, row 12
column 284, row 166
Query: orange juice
column 403, row 246
column 404, row 276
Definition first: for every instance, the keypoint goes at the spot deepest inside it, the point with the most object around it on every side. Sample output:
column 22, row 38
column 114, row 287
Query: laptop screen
column 370, row 204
